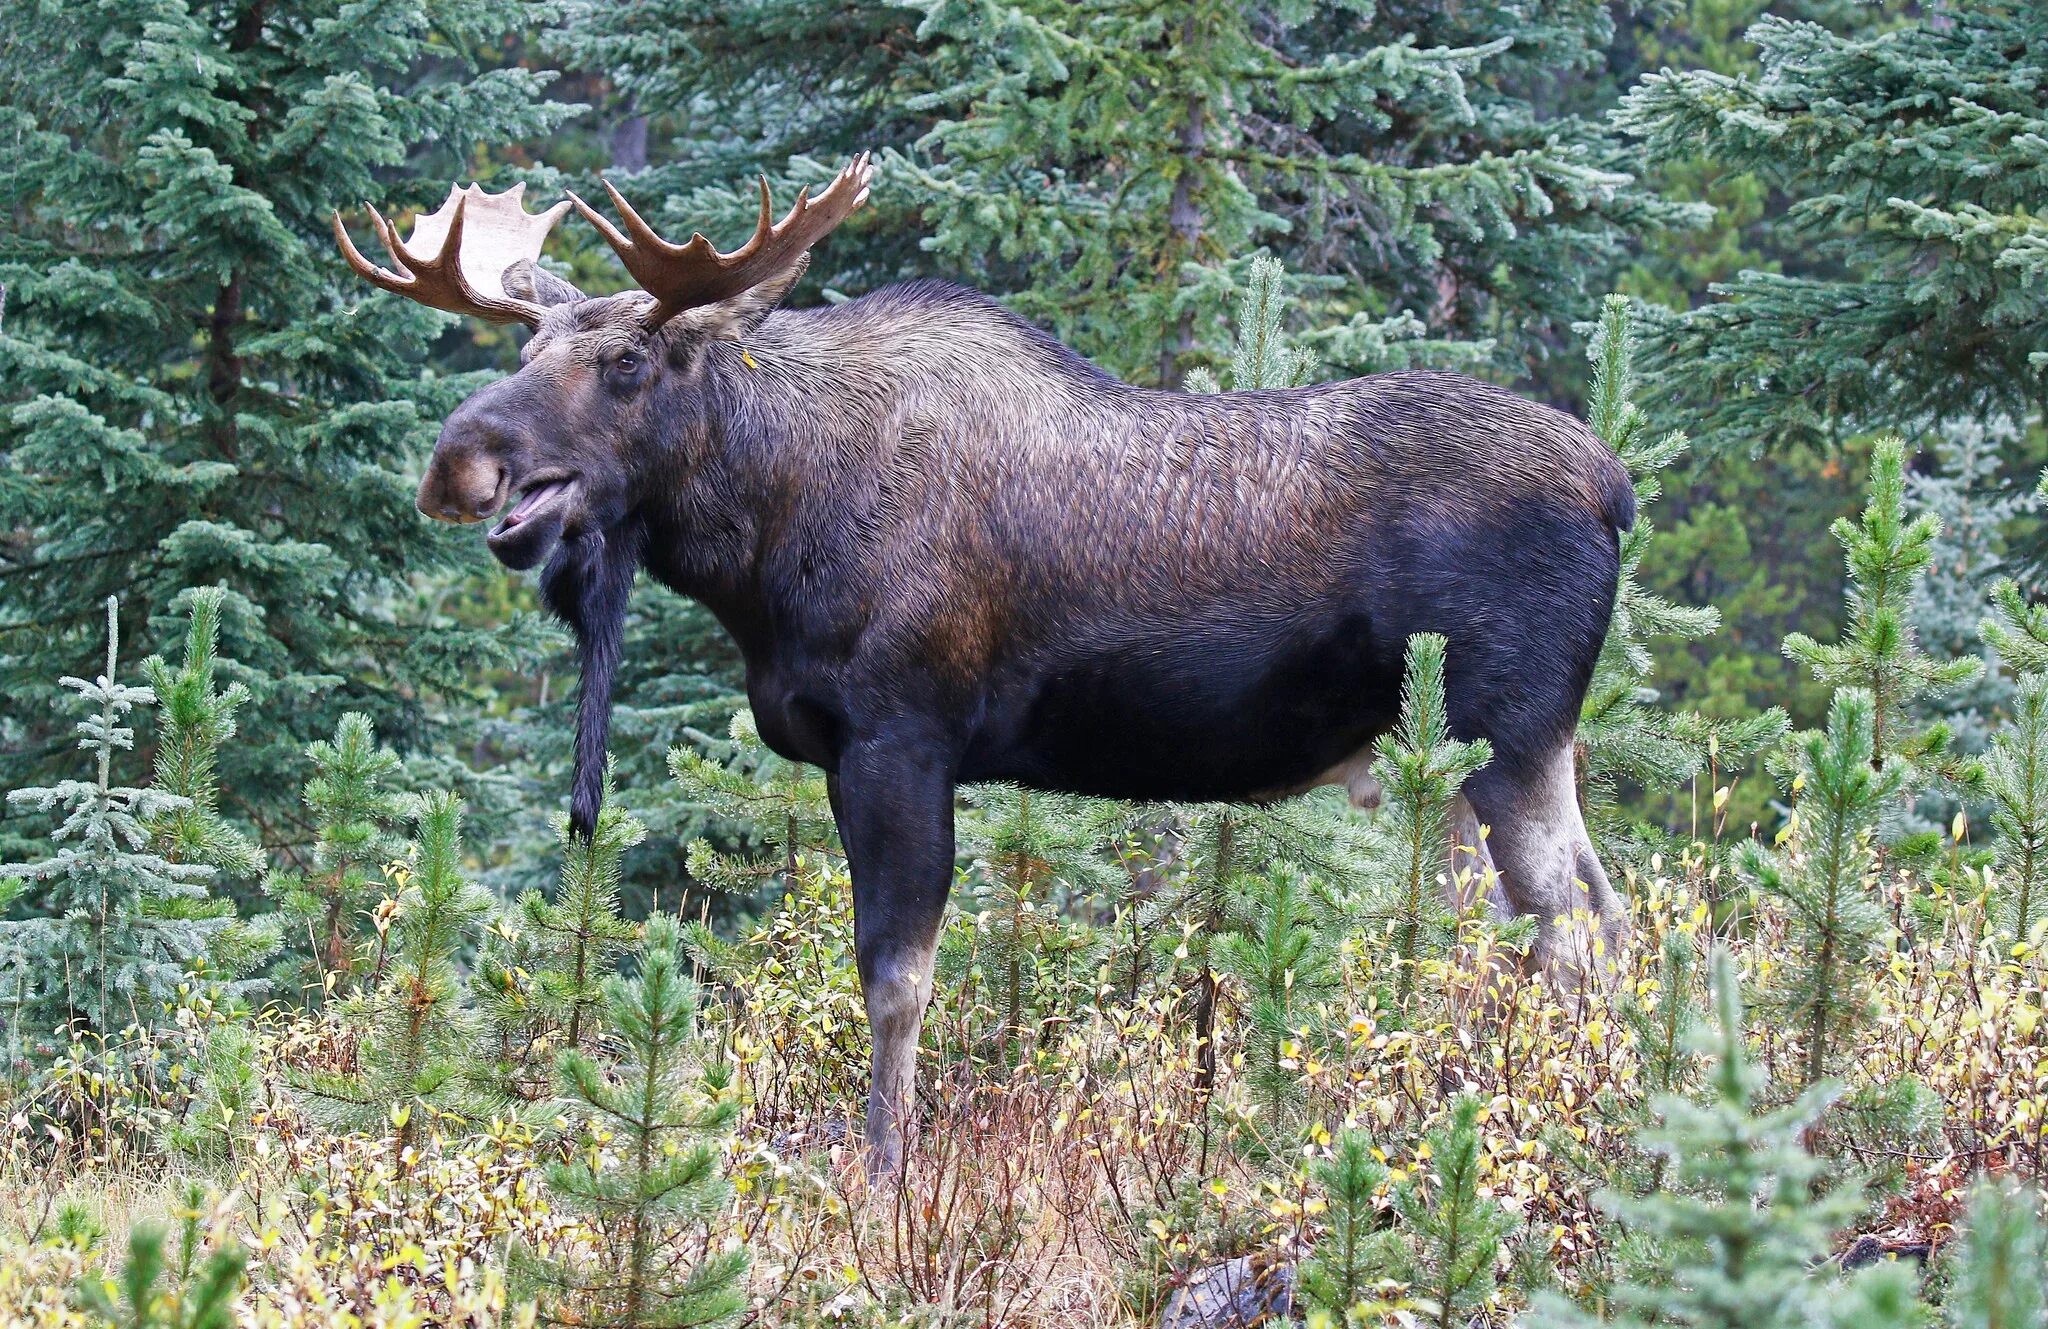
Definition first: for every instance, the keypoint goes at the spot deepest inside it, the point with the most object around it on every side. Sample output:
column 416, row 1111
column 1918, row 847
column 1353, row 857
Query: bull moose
column 950, row 549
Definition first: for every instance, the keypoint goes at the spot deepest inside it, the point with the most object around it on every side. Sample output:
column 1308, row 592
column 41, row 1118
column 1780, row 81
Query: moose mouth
column 537, row 498
column 530, row 531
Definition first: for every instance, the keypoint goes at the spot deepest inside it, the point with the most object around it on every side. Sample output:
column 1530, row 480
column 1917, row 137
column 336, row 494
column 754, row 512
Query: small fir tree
column 1351, row 1258
column 1262, row 357
column 1744, row 1226
column 540, row 977
column 416, row 1044
column 2000, row 1278
column 1822, row 875
column 116, row 925
column 2016, row 782
column 199, row 1292
column 1628, row 741
column 1452, row 1233
column 1888, row 552
column 763, row 801
column 1419, row 767
column 1284, row 958
column 1974, row 506
column 354, row 811
column 194, row 722
column 1034, row 854
column 652, row 1266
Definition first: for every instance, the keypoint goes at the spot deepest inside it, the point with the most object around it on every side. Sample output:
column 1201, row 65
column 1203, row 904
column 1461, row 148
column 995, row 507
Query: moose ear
column 736, row 319
column 527, row 280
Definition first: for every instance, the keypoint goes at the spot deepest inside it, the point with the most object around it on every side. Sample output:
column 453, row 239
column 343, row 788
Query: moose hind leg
column 1547, row 865
column 894, row 806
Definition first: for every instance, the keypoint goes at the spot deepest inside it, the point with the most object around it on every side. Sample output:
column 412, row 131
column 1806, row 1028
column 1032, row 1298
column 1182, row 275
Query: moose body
column 951, row 550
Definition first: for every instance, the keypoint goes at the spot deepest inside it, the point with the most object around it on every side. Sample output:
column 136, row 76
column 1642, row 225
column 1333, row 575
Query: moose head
column 607, row 385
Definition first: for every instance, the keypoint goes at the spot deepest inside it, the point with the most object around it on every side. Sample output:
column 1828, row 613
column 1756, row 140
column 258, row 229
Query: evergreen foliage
column 196, row 721
column 2016, row 783
column 417, row 1040
column 1284, row 955
column 1262, row 357
column 1744, row 1225
column 1974, row 508
column 1351, row 1258
column 651, row 1268
column 1823, row 873
column 353, row 812
column 199, row 1293
column 1879, row 652
column 116, row 925
column 540, row 979
column 1631, row 741
column 1907, row 153
column 1101, row 166
column 1453, row 1234
column 2000, row 1280
column 198, row 391
column 1037, row 857
column 1419, row 767
column 765, row 802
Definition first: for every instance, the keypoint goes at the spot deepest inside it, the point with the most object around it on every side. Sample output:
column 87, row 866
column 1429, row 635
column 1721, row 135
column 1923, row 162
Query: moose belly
column 1203, row 712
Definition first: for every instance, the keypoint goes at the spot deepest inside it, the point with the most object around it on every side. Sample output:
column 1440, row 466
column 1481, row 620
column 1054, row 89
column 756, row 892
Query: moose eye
column 627, row 364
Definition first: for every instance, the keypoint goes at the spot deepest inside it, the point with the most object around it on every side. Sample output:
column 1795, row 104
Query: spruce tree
column 1453, row 1234
column 199, row 391
column 115, row 925
column 415, row 1045
column 1974, row 508
column 1629, row 741
column 1109, row 167
column 195, row 721
column 2016, row 782
column 1823, row 877
column 651, row 1266
column 1353, row 1254
column 354, row 812
column 1744, row 1221
column 1283, row 956
column 1903, row 154
column 1879, row 652
column 756, row 800
column 567, row 946
column 1419, row 767
column 2001, row 1269
column 1035, row 854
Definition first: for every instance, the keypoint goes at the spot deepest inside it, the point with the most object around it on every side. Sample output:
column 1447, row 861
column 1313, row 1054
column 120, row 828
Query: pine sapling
column 580, row 931
column 1261, row 357
column 1744, row 1221
column 1283, row 957
column 2016, row 781
column 1823, row 876
column 195, row 720
column 354, row 810
column 1879, row 652
column 416, row 1045
column 1626, row 737
column 1352, row 1257
column 2001, row 1266
column 1452, row 1232
column 1420, row 767
column 653, row 1265
column 750, row 793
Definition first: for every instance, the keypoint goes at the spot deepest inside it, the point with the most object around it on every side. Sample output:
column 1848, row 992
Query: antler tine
column 695, row 273
column 438, row 280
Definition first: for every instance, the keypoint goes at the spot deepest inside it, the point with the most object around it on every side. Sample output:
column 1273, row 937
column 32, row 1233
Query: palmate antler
column 689, row 275
column 473, row 237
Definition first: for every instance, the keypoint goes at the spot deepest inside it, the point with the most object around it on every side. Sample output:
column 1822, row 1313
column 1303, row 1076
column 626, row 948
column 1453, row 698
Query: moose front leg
column 894, row 805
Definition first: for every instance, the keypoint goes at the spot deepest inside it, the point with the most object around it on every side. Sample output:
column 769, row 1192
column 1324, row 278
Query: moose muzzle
column 468, row 477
